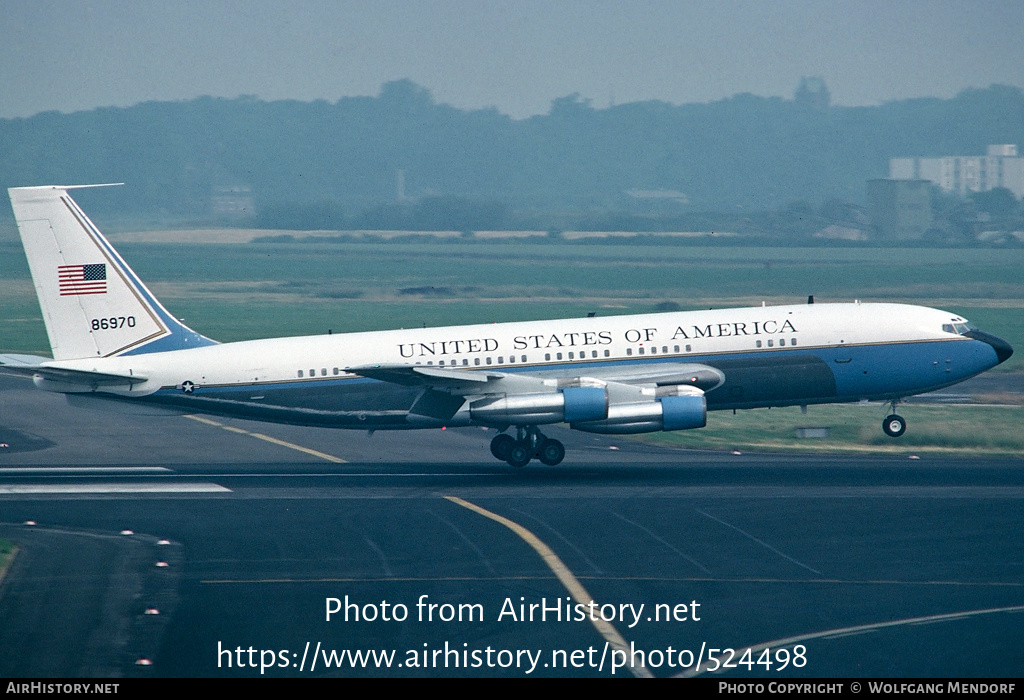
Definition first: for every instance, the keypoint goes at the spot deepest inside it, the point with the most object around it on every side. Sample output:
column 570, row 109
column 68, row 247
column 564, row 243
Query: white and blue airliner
column 111, row 338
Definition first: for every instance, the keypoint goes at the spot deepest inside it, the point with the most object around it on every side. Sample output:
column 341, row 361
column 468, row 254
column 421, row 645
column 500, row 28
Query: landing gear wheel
column 501, row 446
column 551, row 452
column 894, row 425
column 520, row 454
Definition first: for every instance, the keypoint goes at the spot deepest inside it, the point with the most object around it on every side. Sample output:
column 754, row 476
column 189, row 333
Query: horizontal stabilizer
column 33, row 365
column 15, row 361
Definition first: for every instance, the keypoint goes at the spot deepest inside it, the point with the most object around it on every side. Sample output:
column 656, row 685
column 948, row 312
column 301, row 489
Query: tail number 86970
column 106, row 324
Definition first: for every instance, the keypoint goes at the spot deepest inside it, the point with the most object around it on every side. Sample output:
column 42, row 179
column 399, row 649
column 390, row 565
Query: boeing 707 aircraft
column 110, row 337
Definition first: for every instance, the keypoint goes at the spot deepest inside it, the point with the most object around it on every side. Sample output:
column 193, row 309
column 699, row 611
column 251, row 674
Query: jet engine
column 674, row 408
column 569, row 405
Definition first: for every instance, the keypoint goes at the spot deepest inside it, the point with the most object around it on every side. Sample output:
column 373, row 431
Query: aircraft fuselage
column 770, row 356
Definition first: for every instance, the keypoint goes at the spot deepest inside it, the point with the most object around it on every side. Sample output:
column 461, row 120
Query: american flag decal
column 76, row 280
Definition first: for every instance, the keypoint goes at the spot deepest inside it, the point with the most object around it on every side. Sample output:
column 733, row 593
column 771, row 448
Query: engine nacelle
column 666, row 413
column 568, row 405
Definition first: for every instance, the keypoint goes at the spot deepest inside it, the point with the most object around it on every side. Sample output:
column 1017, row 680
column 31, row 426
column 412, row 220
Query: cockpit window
column 959, row 328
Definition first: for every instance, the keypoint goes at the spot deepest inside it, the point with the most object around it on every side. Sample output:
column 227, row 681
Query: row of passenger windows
column 782, row 342
column 572, row 355
column 653, row 350
column 476, row 361
column 323, row 372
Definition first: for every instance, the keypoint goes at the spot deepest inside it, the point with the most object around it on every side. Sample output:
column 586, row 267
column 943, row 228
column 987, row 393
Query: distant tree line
column 746, row 161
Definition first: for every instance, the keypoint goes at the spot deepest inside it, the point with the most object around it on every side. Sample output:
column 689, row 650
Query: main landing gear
column 528, row 444
column 894, row 425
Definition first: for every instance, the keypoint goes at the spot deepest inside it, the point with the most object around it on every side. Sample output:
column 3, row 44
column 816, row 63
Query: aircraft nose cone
column 1002, row 348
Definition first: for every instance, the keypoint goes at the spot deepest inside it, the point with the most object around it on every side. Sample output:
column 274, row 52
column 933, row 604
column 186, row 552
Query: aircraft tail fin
column 93, row 304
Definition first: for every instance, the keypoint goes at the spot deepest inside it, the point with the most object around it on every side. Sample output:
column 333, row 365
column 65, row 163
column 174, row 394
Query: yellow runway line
column 204, row 420
column 300, row 448
column 571, row 583
column 267, row 438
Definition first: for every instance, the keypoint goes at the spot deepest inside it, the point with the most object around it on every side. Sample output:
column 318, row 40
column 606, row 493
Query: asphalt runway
column 797, row 565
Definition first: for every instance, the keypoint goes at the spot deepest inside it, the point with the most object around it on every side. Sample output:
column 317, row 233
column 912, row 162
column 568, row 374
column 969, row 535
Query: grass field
column 856, row 428
column 7, row 552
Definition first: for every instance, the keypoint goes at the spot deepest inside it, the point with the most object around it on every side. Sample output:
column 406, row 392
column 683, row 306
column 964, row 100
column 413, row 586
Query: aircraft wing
column 438, row 377
column 694, row 374
column 482, row 382
column 33, row 365
column 548, row 394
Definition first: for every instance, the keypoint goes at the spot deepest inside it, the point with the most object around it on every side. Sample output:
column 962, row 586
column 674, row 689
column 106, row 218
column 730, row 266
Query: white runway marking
column 663, row 542
column 34, row 489
column 71, row 471
column 858, row 629
column 759, row 541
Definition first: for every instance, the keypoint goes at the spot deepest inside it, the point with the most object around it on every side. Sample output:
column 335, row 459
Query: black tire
column 501, row 446
column 551, row 452
column 894, row 425
column 520, row 454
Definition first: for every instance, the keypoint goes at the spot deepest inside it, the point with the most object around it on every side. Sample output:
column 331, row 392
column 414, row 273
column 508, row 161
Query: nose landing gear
column 528, row 444
column 894, row 425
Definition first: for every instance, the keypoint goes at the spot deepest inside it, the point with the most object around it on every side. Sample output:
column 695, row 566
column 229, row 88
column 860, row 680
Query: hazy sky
column 515, row 55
